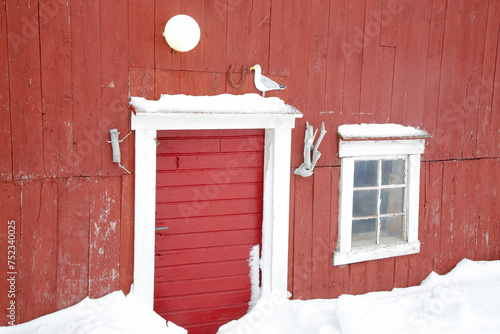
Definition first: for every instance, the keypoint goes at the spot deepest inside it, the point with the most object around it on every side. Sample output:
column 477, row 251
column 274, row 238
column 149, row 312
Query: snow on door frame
column 181, row 112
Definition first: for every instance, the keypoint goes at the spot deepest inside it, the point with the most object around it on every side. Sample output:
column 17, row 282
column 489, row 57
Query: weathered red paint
column 208, row 225
column 66, row 72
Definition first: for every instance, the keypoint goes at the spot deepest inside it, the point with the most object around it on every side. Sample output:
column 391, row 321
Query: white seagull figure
column 263, row 83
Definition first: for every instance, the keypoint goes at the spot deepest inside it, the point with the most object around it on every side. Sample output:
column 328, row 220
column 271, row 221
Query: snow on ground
column 466, row 300
column 111, row 314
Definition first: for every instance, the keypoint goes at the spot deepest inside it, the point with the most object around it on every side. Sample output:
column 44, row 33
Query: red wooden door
column 208, row 217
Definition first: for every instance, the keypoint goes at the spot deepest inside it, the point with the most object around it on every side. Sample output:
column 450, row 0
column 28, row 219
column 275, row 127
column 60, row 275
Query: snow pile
column 466, row 300
column 111, row 314
column 361, row 131
column 224, row 103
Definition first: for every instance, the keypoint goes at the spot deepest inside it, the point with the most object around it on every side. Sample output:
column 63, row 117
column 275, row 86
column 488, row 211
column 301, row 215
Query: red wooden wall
column 68, row 67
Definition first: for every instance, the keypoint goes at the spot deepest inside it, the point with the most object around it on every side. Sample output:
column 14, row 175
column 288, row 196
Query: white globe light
column 182, row 33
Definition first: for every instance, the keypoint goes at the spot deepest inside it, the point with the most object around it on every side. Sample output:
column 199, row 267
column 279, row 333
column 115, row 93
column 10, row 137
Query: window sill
column 366, row 253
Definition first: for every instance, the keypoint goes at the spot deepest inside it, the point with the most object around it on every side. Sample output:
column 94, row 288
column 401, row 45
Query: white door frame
column 278, row 127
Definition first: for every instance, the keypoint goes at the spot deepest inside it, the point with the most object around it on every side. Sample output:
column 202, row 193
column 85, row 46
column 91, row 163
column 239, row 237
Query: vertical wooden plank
column 104, row 252
column 448, row 217
column 127, row 233
column 303, row 242
column 485, row 218
column 25, row 90
column 72, row 269
column 453, row 88
column 377, row 74
column 388, row 23
column 279, row 39
column 386, row 274
column 214, row 83
column 496, row 204
column 141, row 33
column 317, row 64
column 142, row 82
column 371, row 276
column 300, row 27
column 357, row 278
column 86, row 53
column 38, row 252
column 471, row 208
column 460, row 222
column 401, row 266
column 259, row 35
column 418, row 65
column 487, row 85
column 321, row 252
column 57, row 112
column 404, row 19
column 193, row 60
column 476, row 33
column 419, row 266
column 238, row 27
column 433, row 75
column 5, row 125
column 114, row 81
column 166, row 82
column 191, row 83
column 334, row 85
column 339, row 275
column 434, row 192
column 353, row 53
column 10, row 206
column 493, row 136
column 214, row 35
column 164, row 11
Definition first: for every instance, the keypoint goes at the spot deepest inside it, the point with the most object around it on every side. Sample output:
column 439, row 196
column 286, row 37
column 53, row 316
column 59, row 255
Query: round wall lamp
column 182, row 33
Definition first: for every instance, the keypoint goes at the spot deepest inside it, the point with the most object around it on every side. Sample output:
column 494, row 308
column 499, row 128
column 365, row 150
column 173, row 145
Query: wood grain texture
column 104, row 236
column 209, row 212
column 56, row 77
column 10, row 206
column 73, row 207
column 25, row 90
column 5, row 125
column 38, row 249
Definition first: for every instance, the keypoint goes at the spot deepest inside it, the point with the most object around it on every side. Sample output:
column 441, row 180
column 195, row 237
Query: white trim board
column 278, row 128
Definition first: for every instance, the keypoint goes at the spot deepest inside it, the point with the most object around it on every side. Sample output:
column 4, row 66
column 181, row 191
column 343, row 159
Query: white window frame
column 277, row 150
column 349, row 152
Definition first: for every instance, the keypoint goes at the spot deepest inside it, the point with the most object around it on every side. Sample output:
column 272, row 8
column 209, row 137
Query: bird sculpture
column 263, row 83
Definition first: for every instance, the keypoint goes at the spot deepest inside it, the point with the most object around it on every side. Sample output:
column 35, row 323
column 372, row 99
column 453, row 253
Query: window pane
column 391, row 229
column 364, row 232
column 365, row 173
column 364, row 203
column 393, row 172
column 392, row 200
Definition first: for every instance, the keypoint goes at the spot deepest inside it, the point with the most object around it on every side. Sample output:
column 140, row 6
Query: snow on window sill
column 375, row 252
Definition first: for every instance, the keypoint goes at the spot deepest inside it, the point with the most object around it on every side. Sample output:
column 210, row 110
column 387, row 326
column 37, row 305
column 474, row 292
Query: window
column 379, row 192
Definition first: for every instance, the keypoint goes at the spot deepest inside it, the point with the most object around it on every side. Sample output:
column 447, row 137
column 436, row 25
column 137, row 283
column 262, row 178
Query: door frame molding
column 278, row 126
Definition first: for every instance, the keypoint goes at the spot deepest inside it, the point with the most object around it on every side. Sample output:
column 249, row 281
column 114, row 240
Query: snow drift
column 112, row 314
column 466, row 300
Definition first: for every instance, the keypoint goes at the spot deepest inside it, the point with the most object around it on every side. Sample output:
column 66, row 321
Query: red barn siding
column 67, row 69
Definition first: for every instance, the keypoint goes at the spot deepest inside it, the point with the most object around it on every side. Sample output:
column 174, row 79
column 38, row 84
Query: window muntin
column 379, row 207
